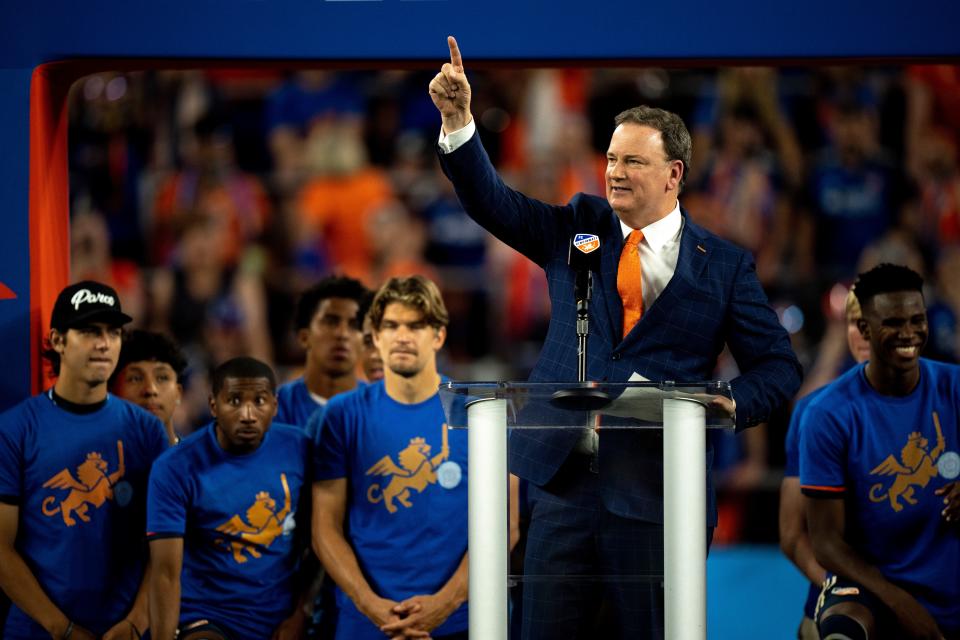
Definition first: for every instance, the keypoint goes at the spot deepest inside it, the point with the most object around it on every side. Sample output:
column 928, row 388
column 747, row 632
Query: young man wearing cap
column 390, row 490
column 74, row 463
column 149, row 375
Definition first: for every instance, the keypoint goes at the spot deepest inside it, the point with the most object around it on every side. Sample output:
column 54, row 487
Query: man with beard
column 390, row 489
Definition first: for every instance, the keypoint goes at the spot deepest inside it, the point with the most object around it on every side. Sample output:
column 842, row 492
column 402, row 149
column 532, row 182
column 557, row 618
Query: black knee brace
column 841, row 627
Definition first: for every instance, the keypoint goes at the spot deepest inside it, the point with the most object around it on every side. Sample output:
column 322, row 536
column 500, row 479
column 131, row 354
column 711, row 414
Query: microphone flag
column 586, row 242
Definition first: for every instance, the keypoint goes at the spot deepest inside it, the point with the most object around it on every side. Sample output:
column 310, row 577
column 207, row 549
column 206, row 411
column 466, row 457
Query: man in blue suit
column 598, row 504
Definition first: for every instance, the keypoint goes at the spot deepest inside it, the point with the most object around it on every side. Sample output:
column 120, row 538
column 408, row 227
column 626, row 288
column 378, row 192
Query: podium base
column 581, row 399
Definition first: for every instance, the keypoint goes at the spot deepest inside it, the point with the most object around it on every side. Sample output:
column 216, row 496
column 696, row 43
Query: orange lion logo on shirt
column 264, row 525
column 93, row 486
column 917, row 469
column 416, row 470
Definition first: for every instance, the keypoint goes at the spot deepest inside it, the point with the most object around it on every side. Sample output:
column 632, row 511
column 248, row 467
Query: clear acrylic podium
column 683, row 411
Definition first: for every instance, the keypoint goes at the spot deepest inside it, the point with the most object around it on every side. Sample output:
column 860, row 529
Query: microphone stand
column 585, row 397
column 583, row 290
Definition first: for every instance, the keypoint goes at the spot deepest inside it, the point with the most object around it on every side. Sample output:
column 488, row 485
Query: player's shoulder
column 288, row 433
column 357, row 399
column 24, row 412
column 191, row 449
column 838, row 401
column 127, row 411
column 941, row 370
column 849, row 385
column 800, row 406
column 136, row 419
column 289, row 388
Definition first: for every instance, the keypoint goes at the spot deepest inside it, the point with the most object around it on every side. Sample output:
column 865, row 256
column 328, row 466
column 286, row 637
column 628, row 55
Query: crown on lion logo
column 417, row 440
column 263, row 495
column 93, row 455
column 915, row 436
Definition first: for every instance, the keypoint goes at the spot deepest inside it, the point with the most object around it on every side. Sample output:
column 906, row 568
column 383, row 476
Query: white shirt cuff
column 453, row 141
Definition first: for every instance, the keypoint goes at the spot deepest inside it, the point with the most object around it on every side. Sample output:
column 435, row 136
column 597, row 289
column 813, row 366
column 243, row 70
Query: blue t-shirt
column 792, row 469
column 295, row 405
column 237, row 515
column 407, row 496
column 886, row 455
column 80, row 481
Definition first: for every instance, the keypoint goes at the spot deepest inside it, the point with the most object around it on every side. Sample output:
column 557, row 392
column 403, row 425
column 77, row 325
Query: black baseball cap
column 85, row 302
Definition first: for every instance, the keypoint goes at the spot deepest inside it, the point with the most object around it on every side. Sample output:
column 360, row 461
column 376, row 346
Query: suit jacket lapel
column 692, row 257
column 612, row 247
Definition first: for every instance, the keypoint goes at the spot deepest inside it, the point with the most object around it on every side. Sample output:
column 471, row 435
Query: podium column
column 487, row 526
column 684, row 519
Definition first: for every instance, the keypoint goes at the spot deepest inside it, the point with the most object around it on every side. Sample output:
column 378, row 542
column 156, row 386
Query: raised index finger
column 455, row 58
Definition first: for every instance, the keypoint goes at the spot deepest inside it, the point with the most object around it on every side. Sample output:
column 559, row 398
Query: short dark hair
column 677, row 144
column 139, row 345
column 330, row 287
column 886, row 278
column 242, row 367
column 415, row 291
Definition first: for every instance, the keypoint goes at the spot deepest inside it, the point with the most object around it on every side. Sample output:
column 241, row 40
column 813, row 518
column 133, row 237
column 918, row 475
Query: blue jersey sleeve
column 167, row 499
column 330, row 444
column 791, row 468
column 823, row 450
column 792, row 442
column 11, row 456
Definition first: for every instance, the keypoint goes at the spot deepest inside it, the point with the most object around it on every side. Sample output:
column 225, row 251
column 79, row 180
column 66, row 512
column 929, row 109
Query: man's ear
column 212, row 402
column 676, row 174
column 864, row 327
column 440, row 338
column 57, row 340
column 303, row 337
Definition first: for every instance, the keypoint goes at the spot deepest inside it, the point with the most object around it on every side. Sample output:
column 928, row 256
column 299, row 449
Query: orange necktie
column 629, row 281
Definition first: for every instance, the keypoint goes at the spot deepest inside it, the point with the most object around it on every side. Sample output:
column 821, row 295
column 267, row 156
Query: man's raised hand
column 450, row 91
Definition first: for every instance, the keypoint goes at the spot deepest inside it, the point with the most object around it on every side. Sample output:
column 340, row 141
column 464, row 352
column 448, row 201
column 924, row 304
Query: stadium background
column 161, row 132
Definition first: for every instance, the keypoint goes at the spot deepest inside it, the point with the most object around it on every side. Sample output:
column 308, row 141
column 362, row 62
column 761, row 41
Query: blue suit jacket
column 714, row 298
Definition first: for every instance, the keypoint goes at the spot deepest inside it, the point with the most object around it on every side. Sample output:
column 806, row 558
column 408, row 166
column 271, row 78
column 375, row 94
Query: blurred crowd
column 210, row 199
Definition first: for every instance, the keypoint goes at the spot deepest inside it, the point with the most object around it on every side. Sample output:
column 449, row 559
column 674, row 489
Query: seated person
column 794, row 539
column 394, row 536
column 222, row 516
column 878, row 455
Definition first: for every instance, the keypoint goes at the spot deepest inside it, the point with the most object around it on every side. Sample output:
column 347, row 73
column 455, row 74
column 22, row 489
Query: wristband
column 69, row 630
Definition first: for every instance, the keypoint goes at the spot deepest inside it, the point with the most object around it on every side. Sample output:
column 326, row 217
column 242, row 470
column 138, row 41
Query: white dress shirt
column 659, row 252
